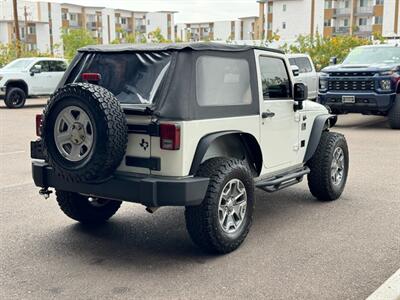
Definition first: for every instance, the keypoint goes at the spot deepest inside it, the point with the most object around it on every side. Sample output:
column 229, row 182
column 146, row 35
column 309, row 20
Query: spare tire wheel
column 84, row 132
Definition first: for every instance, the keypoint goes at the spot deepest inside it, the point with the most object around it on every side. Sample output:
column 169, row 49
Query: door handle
column 268, row 114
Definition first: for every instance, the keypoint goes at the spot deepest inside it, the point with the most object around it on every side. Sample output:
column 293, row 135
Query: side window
column 222, row 81
column 274, row 78
column 57, row 66
column 44, row 64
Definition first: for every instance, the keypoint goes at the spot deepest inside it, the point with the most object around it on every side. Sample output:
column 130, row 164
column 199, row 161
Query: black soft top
column 200, row 46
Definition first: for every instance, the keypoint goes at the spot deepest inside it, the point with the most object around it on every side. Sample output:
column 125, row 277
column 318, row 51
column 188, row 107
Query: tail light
column 91, row 77
column 170, row 136
column 39, row 119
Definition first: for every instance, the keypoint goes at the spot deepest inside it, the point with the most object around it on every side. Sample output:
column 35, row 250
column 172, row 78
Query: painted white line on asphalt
column 15, row 185
column 11, row 153
column 389, row 290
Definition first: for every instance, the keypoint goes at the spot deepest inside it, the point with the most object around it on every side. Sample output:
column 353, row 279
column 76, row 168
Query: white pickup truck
column 33, row 76
column 307, row 73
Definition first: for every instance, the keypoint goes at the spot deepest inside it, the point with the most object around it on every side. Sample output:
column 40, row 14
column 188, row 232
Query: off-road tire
column 79, row 208
column 394, row 114
column 110, row 126
column 319, row 178
column 202, row 221
column 9, row 100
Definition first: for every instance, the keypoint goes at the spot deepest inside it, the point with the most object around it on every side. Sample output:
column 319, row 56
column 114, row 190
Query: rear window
column 134, row 78
column 222, row 81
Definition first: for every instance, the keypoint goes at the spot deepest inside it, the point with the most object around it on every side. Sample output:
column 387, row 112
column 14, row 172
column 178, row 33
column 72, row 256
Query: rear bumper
column 366, row 103
column 149, row 191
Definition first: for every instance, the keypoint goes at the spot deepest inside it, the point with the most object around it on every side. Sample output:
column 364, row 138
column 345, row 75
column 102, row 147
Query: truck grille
column 351, row 85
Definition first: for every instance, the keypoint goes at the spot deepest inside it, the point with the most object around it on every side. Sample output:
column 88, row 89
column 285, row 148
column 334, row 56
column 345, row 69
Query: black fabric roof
column 200, row 46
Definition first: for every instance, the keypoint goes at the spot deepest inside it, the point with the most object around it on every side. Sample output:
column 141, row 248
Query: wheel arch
column 18, row 83
column 249, row 148
column 320, row 124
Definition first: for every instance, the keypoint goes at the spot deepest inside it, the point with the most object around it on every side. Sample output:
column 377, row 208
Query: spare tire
column 84, row 132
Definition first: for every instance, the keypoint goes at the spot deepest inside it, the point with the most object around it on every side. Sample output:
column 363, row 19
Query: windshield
column 134, row 78
column 19, row 64
column 373, row 55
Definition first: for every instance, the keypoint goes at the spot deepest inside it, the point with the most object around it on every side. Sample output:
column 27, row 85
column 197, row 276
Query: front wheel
column 15, row 97
column 85, row 209
column 221, row 223
column 329, row 167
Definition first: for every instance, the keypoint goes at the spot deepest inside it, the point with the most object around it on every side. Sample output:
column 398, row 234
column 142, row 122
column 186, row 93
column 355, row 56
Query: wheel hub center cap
column 78, row 133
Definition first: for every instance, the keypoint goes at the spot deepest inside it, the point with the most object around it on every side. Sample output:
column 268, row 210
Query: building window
column 284, row 7
column 283, row 25
column 270, row 6
column 379, row 2
column 378, row 20
column 73, row 17
column 362, row 21
column 363, row 3
column 269, row 26
column 346, row 4
column 64, row 16
column 328, row 4
column 346, row 22
column 22, row 32
column 148, row 22
column 328, row 23
column 123, row 21
column 31, row 29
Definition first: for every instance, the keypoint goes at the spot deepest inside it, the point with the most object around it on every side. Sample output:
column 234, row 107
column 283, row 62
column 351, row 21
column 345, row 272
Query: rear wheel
column 15, row 97
column 85, row 209
column 221, row 223
column 329, row 167
column 394, row 114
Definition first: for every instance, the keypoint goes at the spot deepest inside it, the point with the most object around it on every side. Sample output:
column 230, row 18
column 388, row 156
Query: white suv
column 197, row 125
column 34, row 76
column 306, row 73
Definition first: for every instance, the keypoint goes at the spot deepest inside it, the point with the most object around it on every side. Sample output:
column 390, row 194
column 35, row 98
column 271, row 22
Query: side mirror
column 300, row 92
column 333, row 60
column 36, row 69
column 295, row 70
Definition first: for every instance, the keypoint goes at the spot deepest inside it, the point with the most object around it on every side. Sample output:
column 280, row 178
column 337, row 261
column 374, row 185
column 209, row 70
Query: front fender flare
column 320, row 124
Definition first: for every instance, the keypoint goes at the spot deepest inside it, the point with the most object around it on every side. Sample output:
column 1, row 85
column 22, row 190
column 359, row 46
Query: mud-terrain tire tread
column 319, row 181
column 199, row 219
column 78, row 208
column 116, row 143
column 394, row 114
column 8, row 101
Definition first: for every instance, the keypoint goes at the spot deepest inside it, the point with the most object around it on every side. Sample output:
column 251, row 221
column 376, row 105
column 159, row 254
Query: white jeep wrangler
column 197, row 125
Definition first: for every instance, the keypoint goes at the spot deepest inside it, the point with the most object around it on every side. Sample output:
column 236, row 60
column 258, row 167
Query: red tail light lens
column 91, row 77
column 39, row 119
column 170, row 137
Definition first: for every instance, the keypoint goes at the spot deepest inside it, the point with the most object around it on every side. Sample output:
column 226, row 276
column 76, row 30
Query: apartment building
column 41, row 23
column 241, row 29
column 364, row 18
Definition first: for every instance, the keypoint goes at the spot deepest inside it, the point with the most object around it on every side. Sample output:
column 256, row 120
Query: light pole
column 16, row 25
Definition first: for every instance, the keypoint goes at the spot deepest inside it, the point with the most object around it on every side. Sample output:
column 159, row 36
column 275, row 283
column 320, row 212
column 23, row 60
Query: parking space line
column 13, row 152
column 15, row 185
column 389, row 290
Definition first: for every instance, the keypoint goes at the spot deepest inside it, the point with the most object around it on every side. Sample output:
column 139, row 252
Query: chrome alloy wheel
column 73, row 133
column 232, row 206
column 337, row 166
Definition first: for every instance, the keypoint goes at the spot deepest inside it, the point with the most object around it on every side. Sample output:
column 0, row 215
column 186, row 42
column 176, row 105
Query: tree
column 9, row 52
column 321, row 49
column 73, row 39
column 156, row 37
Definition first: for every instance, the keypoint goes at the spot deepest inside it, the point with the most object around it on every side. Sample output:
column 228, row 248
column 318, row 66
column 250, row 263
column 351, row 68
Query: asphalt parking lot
column 298, row 248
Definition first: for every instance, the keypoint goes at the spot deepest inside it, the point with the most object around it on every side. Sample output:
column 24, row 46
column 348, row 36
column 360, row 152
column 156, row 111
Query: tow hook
column 152, row 210
column 45, row 192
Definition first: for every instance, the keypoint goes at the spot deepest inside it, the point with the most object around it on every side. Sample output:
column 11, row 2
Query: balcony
column 341, row 12
column 365, row 10
column 91, row 25
column 363, row 30
column 342, row 30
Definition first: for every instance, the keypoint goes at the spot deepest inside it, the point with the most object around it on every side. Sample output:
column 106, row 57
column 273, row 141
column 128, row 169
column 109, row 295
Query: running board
column 279, row 182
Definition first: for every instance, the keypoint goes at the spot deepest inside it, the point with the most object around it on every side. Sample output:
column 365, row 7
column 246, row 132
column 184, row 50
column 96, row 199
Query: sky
column 189, row 11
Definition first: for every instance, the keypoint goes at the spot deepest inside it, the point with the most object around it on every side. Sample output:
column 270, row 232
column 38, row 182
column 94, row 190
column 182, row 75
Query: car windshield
column 19, row 64
column 134, row 78
column 373, row 55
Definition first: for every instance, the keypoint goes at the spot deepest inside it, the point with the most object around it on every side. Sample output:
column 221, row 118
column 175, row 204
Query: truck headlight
column 323, row 84
column 386, row 84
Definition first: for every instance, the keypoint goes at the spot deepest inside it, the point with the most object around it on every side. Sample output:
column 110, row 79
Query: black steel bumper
column 365, row 103
column 149, row 191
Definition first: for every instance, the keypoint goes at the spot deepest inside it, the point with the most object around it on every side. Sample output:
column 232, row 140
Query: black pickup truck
column 367, row 82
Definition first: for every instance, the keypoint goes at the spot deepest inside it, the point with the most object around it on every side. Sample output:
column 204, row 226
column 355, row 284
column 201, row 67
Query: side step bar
column 279, row 182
